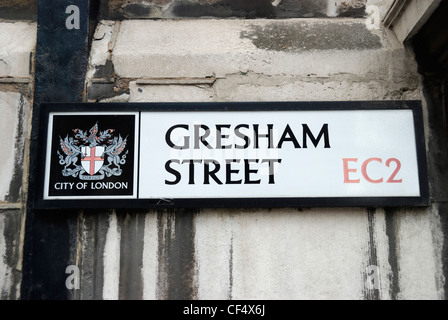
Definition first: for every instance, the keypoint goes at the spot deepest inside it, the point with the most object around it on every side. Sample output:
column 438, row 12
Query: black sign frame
column 111, row 203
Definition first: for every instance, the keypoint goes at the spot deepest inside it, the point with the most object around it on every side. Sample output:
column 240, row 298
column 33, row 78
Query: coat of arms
column 93, row 154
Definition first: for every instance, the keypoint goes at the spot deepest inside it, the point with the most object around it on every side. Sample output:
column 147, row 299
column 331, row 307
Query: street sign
column 276, row 154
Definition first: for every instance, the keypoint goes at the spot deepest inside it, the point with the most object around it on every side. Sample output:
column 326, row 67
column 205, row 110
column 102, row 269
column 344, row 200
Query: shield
column 93, row 159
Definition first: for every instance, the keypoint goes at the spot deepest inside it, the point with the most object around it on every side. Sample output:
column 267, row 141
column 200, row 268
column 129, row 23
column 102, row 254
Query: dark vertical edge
column 132, row 226
column 137, row 183
column 86, row 253
column 87, row 230
column 102, row 226
column 430, row 47
column 176, row 254
column 60, row 69
column 443, row 208
column 92, row 230
column 94, row 10
column 372, row 294
column 181, row 257
column 46, row 255
column 438, row 139
column 391, row 233
column 443, row 214
column 11, row 234
column 164, row 236
column 421, row 153
column 230, row 293
column 74, row 232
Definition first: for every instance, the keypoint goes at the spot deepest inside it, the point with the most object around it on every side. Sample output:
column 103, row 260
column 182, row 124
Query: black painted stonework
column 242, row 9
column 391, row 233
column 132, row 225
column 61, row 63
column 181, row 257
column 443, row 213
column 61, row 54
column 372, row 294
column 177, row 261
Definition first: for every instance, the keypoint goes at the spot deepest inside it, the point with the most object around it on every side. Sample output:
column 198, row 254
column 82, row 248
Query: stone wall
column 17, row 41
column 304, row 51
column 321, row 253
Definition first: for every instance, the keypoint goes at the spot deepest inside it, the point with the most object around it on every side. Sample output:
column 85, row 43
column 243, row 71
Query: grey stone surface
column 14, row 110
column 304, row 36
column 17, row 40
column 316, row 253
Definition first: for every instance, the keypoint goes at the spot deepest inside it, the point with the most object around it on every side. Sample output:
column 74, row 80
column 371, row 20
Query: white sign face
column 233, row 155
column 278, row 154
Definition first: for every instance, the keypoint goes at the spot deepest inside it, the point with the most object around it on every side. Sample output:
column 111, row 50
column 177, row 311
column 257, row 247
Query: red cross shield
column 92, row 161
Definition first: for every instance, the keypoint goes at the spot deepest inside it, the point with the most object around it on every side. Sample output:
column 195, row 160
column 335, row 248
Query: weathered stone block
column 17, row 42
column 216, row 48
column 13, row 111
